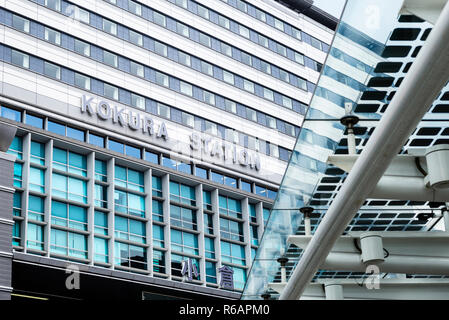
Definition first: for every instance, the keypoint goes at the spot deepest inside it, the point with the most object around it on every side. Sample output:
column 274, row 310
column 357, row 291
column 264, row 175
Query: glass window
column 208, row 224
column 20, row 59
column 252, row 212
column 161, row 79
column 133, row 151
column 205, row 40
column 241, row 5
column 265, row 67
column 35, row 236
column 152, row 157
column 315, row 43
column 156, row 184
column 158, row 257
column 268, row 94
column 203, row 12
column 188, row 119
column 232, row 230
column 18, row 175
column 75, row 134
column 281, row 49
column 284, row 75
column 68, row 215
column 230, row 106
column 11, row 114
column 248, row 86
column 82, row 47
column 183, row 217
column 246, row 186
column 159, row 19
column 182, row 29
column 110, row 58
column 278, row 24
column 116, row 146
column 181, row 3
column 52, row 36
column 263, row 41
column 228, row 77
column 20, row 23
column 184, row 242
column 157, row 210
column 209, row 97
column 109, row 26
column 69, row 162
column 231, row 182
column 230, row 207
column 101, row 170
column 53, row 4
column 34, row 121
column 226, row 49
column 299, row 58
column 200, row 172
column 296, row 33
column 52, row 70
column 207, row 68
column 211, row 127
column 261, row 15
column 223, row 21
column 101, row 252
column 56, row 128
column 16, row 147
column 82, row 15
column 69, row 188
column 246, row 58
column 135, row 38
column 184, row 58
column 158, row 236
column 101, row 223
column 163, row 110
column 35, row 208
column 233, row 253
column 37, row 153
column 137, row 101
column 82, row 81
column 134, row 7
column 110, row 91
column 137, row 69
column 130, row 256
column 251, row 114
column 209, row 248
column 287, row 102
column 130, row 229
column 129, row 178
column 186, row 88
column 243, row 31
column 182, row 193
column 100, row 195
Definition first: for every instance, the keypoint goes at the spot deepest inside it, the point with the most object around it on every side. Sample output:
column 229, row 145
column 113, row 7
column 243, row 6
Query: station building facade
column 151, row 140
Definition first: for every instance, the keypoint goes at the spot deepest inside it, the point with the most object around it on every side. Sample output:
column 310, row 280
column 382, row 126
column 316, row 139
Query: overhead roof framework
column 365, row 38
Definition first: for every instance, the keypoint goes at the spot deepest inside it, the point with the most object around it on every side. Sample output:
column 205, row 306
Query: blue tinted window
column 12, row 114
column 169, row 163
column 116, row 146
column 133, row 152
column 34, row 121
column 216, row 177
column 200, row 172
column 152, row 157
column 185, row 167
column 75, row 134
column 245, row 186
column 230, row 182
column 56, row 128
column 96, row 140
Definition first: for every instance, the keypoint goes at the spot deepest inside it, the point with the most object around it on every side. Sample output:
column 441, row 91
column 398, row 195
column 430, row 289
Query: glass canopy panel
column 359, row 72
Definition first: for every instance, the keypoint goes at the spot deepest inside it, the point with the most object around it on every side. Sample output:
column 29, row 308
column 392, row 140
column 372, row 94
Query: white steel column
column 428, row 74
